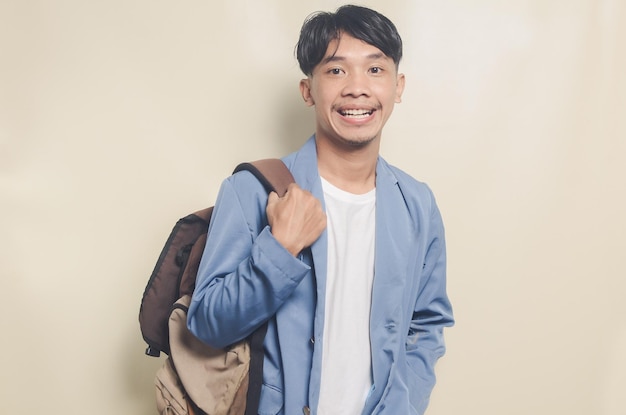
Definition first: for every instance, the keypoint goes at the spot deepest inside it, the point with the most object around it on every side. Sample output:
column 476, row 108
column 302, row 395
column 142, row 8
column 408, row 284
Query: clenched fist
column 296, row 219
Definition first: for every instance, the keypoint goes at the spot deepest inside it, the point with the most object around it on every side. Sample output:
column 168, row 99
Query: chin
column 358, row 142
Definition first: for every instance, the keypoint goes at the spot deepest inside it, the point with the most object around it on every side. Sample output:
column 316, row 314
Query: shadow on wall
column 139, row 372
column 297, row 120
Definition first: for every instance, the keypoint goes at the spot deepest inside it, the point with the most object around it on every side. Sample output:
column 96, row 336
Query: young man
column 348, row 268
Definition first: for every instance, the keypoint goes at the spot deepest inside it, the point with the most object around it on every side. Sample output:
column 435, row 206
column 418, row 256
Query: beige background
column 117, row 117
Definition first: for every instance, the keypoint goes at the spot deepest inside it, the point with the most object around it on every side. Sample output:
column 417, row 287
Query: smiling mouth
column 356, row 113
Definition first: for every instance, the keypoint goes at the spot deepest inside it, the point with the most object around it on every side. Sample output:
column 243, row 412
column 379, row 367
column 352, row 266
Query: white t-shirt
column 347, row 358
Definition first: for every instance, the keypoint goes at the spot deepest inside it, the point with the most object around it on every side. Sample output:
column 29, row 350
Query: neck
column 350, row 169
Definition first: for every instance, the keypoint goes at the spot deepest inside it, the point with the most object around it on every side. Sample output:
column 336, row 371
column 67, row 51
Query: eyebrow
column 371, row 56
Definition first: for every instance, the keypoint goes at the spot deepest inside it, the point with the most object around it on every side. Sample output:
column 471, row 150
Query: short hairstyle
column 321, row 28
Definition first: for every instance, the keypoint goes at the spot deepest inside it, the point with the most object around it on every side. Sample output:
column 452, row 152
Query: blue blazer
column 246, row 277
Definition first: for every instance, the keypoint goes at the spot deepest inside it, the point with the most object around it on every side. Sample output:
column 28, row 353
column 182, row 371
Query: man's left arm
column 432, row 312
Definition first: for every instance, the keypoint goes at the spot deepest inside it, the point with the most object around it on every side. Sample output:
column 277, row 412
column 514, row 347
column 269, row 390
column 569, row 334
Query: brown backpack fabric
column 196, row 378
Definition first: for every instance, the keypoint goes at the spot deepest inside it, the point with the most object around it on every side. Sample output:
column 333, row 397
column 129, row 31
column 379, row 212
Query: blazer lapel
column 395, row 236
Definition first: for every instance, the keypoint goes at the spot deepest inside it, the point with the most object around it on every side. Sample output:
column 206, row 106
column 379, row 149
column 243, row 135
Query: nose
column 356, row 85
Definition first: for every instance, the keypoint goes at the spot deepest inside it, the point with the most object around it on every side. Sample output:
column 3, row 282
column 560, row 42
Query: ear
column 399, row 87
column 305, row 90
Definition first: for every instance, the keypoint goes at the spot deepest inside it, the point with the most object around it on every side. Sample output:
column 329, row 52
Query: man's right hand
column 296, row 219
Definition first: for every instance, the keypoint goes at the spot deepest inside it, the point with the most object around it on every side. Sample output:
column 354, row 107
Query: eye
column 335, row 71
column 376, row 70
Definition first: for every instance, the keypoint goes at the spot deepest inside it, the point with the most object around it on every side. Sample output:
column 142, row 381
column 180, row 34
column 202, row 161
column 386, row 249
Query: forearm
column 433, row 311
column 228, row 307
column 422, row 357
column 245, row 274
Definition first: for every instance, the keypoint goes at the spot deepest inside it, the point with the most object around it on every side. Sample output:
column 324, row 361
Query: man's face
column 353, row 89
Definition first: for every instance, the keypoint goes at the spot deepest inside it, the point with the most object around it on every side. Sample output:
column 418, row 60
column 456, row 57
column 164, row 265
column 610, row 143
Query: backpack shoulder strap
column 272, row 173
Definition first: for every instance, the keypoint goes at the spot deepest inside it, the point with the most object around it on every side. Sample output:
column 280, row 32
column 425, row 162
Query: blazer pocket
column 272, row 400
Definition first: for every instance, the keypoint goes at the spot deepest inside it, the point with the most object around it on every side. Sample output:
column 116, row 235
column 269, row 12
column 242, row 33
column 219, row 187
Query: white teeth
column 356, row 113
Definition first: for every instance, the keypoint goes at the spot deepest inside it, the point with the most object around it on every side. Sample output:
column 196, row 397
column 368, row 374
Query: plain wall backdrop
column 118, row 117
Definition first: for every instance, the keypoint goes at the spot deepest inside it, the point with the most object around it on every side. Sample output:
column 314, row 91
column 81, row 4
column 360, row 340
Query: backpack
column 196, row 378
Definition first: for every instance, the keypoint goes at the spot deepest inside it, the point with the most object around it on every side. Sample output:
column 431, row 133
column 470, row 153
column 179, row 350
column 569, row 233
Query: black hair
column 321, row 28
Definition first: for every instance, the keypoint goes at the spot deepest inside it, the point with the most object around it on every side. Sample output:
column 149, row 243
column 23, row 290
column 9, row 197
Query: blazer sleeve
column 433, row 311
column 245, row 275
